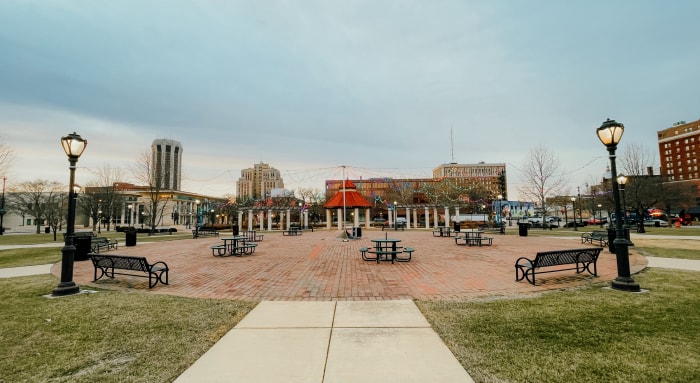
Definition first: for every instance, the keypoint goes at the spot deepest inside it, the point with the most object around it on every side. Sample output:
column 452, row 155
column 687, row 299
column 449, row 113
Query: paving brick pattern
column 321, row 266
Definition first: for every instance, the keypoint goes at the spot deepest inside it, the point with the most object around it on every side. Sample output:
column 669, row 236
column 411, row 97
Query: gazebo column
column 436, row 220
column 240, row 219
column 356, row 220
column 341, row 219
column 250, row 219
column 391, row 213
column 289, row 217
column 329, row 218
column 408, row 217
column 367, row 218
column 261, row 220
column 447, row 216
column 427, row 217
column 306, row 219
column 269, row 220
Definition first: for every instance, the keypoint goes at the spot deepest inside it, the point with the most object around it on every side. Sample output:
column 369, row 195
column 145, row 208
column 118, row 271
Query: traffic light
column 502, row 184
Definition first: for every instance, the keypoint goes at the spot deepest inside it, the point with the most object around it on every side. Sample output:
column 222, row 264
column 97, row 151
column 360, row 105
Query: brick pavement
column 321, row 266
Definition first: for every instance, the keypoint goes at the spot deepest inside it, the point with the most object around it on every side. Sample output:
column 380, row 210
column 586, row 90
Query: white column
column 356, row 220
column 240, row 219
column 250, row 219
column 457, row 214
column 391, row 214
column 269, row 220
column 447, row 216
column 427, row 217
column 408, row 218
column 329, row 218
column 289, row 217
column 261, row 219
column 341, row 219
column 367, row 218
column 435, row 217
column 306, row 218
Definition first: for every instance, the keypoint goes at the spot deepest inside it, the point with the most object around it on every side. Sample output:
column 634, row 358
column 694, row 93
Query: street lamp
column 73, row 145
column 130, row 209
column 610, row 133
column 2, row 207
column 573, row 207
column 600, row 216
column 396, row 216
column 498, row 212
column 622, row 181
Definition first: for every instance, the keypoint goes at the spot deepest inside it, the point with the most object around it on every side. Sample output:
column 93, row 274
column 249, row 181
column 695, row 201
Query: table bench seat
column 583, row 259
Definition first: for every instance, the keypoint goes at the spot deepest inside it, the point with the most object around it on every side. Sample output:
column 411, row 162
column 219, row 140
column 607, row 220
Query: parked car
column 655, row 222
column 596, row 221
column 549, row 222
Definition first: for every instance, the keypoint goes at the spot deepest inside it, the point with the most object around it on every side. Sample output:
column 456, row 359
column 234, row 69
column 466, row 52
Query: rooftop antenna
column 452, row 146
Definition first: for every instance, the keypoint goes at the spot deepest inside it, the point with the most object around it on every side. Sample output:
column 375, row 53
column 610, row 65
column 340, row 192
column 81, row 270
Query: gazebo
column 347, row 198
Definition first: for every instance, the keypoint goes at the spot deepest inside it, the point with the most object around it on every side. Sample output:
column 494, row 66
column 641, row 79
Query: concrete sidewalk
column 328, row 342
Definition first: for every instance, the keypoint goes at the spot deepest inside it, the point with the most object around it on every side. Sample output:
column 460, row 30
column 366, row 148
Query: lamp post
column 2, row 207
column 600, row 216
column 396, row 216
column 622, row 181
column 610, row 133
column 498, row 212
column 573, row 207
column 73, row 145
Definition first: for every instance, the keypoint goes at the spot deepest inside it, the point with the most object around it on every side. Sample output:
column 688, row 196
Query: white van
column 401, row 220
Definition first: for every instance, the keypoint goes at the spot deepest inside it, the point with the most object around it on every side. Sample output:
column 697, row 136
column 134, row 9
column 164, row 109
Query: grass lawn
column 110, row 336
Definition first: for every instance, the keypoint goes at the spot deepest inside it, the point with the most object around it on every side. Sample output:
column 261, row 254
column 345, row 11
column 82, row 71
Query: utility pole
column 2, row 207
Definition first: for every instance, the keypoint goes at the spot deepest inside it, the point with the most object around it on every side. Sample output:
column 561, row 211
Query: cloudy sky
column 312, row 86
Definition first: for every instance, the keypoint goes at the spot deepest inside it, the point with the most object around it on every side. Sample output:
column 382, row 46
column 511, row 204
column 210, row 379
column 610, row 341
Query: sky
column 326, row 89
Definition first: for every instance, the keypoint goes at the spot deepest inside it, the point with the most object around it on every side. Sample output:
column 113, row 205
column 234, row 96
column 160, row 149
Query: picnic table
column 235, row 245
column 386, row 249
column 473, row 238
column 442, row 231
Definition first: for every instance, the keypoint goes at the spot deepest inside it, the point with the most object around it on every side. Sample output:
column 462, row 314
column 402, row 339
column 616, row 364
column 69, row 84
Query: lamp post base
column 625, row 284
column 65, row 288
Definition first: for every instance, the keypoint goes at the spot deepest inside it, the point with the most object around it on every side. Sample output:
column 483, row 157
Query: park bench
column 204, row 231
column 108, row 264
column 583, row 259
column 292, row 231
column 600, row 236
column 99, row 243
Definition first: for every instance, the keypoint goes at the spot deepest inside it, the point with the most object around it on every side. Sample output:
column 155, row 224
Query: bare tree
column 35, row 198
column 101, row 199
column 543, row 178
column 145, row 173
column 7, row 156
column 56, row 211
column 643, row 190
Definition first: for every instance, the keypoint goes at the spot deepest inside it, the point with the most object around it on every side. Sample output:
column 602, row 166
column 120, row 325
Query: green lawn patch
column 109, row 336
column 587, row 335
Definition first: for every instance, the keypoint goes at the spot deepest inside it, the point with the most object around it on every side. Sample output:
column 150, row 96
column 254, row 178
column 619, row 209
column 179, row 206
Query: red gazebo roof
column 353, row 199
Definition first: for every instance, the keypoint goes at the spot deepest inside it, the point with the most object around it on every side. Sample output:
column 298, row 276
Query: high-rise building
column 678, row 151
column 258, row 181
column 167, row 163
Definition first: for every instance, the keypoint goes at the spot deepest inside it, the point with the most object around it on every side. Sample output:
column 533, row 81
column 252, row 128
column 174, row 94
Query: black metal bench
column 204, row 231
column 599, row 236
column 98, row 243
column 583, row 259
column 108, row 264
column 501, row 229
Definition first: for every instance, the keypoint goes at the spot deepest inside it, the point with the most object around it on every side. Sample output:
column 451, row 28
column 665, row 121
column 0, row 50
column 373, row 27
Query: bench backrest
column 99, row 240
column 125, row 262
column 565, row 257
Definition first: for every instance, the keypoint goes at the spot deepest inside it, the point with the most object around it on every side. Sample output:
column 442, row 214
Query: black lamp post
column 600, row 216
column 610, row 133
column 2, row 207
column 573, row 207
column 73, row 145
column 622, row 181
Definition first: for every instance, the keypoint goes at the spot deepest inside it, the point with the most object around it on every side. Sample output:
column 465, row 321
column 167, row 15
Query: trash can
column 83, row 245
column 131, row 236
column 235, row 230
column 522, row 229
column 47, row 230
column 357, row 232
column 456, row 227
